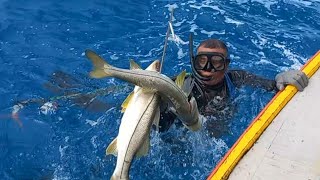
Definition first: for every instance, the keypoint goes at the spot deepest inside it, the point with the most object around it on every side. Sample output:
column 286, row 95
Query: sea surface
column 58, row 134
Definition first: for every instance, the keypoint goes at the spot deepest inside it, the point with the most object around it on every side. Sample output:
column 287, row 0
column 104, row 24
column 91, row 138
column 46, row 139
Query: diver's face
column 217, row 76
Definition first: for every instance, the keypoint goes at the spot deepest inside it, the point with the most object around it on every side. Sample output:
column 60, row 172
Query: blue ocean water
column 41, row 39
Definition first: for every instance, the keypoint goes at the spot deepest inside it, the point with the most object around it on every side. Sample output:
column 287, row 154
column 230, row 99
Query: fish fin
column 188, row 85
column 112, row 148
column 155, row 66
column 134, row 65
column 144, row 149
column 157, row 119
column 126, row 102
column 99, row 65
column 180, row 78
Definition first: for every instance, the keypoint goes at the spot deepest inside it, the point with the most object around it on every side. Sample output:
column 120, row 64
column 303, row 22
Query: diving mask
column 210, row 61
column 207, row 61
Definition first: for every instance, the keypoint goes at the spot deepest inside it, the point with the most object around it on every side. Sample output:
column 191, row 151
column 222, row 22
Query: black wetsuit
column 218, row 94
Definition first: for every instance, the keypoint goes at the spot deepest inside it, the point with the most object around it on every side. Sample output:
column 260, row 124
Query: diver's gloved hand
column 296, row 78
column 195, row 126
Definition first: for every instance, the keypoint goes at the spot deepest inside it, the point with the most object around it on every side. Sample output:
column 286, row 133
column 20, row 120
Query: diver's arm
column 168, row 114
column 167, row 117
column 166, row 120
column 241, row 77
column 295, row 78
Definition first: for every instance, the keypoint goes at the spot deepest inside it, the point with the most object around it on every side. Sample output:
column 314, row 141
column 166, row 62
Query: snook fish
column 141, row 109
column 187, row 111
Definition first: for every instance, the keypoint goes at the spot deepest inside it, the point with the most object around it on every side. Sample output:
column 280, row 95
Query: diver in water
column 212, row 81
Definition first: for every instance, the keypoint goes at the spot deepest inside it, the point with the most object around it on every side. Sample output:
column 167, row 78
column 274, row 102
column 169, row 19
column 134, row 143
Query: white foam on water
column 241, row 1
column 39, row 122
column 194, row 27
column 59, row 173
column 66, row 139
column 261, row 42
column 93, row 141
column 91, row 122
column 264, row 60
column 207, row 4
column 149, row 57
column 232, row 21
column 210, row 33
column 48, row 108
column 62, row 150
column 114, row 57
column 267, row 3
column 102, row 118
column 171, row 7
column 291, row 56
column 177, row 24
column 300, row 2
column 181, row 54
column 177, row 40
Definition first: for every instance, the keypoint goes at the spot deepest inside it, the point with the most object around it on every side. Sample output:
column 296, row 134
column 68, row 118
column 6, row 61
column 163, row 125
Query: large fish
column 187, row 111
column 141, row 109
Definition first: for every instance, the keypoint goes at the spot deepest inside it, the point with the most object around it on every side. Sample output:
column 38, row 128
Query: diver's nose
column 208, row 67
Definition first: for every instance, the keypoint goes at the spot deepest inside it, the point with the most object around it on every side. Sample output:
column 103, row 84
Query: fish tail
column 101, row 67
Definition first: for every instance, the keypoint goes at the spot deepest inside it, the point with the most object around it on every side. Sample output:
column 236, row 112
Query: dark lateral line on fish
column 136, row 128
column 141, row 74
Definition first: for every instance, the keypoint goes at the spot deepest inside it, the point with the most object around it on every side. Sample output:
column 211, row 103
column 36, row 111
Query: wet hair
column 214, row 44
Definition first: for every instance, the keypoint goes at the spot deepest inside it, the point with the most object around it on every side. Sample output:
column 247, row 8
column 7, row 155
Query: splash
column 49, row 108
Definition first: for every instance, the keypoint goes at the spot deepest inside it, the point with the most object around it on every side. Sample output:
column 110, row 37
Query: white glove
column 293, row 77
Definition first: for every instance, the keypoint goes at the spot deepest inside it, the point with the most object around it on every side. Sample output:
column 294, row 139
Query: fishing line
column 170, row 28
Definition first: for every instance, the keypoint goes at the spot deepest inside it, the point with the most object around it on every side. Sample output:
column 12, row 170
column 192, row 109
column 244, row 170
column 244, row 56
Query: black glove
column 293, row 77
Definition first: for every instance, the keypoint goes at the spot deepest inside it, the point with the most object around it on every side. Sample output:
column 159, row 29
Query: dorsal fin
column 134, row 65
column 157, row 119
column 180, row 78
column 112, row 148
column 126, row 102
column 188, row 85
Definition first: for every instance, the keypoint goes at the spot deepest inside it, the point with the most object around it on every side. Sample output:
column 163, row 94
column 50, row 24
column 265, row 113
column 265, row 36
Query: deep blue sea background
column 40, row 39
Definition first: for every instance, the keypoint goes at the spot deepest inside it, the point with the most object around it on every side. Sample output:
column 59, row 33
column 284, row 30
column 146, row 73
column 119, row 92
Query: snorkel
column 198, row 77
